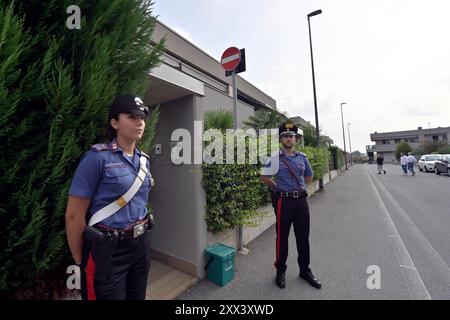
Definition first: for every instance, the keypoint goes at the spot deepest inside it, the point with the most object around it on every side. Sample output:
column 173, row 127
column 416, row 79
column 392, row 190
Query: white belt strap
column 112, row 208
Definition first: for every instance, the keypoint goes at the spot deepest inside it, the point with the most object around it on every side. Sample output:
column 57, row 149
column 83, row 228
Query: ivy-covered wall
column 234, row 194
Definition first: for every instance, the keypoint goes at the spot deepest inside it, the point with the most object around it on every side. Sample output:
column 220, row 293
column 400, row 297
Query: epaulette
column 104, row 146
column 300, row 153
column 144, row 154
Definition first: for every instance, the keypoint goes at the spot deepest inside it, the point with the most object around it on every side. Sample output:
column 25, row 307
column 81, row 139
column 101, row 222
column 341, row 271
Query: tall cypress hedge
column 55, row 88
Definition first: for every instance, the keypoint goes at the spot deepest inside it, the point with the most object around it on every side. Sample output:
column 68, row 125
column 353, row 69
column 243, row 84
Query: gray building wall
column 172, row 197
column 214, row 100
column 178, row 198
column 180, row 234
column 187, row 52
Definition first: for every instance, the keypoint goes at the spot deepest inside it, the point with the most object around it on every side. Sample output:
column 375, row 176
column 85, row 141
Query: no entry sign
column 230, row 58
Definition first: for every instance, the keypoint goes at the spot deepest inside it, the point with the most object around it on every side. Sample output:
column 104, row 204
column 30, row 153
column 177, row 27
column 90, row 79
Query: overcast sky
column 389, row 60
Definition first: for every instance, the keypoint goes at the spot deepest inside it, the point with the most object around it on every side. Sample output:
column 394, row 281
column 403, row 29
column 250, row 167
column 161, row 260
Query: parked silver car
column 426, row 162
column 443, row 165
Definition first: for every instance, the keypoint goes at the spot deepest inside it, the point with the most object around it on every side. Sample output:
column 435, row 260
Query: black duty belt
column 134, row 231
column 294, row 194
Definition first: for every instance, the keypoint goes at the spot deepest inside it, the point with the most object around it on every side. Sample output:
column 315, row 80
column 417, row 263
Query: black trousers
column 115, row 269
column 292, row 211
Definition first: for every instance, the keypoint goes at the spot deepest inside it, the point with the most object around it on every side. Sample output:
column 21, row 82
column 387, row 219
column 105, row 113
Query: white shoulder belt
column 112, row 208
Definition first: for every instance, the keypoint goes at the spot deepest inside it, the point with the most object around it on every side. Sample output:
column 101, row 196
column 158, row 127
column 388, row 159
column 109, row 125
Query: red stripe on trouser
column 90, row 273
column 278, row 232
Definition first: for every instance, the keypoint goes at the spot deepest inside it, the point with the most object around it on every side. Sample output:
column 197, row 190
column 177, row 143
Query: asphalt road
column 362, row 221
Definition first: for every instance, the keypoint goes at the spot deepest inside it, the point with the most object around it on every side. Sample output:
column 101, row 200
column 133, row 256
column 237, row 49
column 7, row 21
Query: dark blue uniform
column 290, row 205
column 117, row 265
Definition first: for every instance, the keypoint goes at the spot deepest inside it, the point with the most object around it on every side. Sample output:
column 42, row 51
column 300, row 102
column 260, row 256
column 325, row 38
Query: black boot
column 309, row 277
column 280, row 280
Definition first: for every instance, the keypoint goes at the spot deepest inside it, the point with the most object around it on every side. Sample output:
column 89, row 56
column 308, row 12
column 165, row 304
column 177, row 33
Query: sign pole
column 230, row 61
column 235, row 110
column 241, row 248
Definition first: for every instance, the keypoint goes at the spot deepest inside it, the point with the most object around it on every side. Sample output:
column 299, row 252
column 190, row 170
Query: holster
column 93, row 235
column 274, row 197
column 151, row 221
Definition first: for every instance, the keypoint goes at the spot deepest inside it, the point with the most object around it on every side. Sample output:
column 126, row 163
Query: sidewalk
column 348, row 234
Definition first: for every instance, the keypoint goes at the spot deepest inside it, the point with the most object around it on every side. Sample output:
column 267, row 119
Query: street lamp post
column 350, row 143
column 314, row 13
column 343, row 135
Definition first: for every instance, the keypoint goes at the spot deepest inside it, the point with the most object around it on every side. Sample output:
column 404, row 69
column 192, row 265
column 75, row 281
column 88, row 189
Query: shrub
column 318, row 159
column 402, row 148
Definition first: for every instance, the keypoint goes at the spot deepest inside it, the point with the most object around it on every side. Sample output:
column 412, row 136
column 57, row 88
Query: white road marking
column 416, row 230
column 414, row 268
column 414, row 282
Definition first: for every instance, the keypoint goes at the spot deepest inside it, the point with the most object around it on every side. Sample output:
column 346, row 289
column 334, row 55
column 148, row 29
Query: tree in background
column 431, row 147
column 310, row 137
column 337, row 157
column 218, row 119
column 444, row 149
column 55, row 88
column 266, row 120
column 356, row 156
column 402, row 148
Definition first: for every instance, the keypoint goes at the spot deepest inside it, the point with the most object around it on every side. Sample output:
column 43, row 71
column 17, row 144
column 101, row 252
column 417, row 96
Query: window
column 412, row 140
column 397, row 140
column 435, row 138
column 432, row 158
column 386, row 142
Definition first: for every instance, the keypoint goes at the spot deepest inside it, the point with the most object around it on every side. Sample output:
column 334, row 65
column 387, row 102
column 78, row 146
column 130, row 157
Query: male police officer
column 291, row 206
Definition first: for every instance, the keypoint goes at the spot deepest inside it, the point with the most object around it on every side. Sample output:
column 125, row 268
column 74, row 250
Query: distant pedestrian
column 404, row 163
column 380, row 161
column 411, row 162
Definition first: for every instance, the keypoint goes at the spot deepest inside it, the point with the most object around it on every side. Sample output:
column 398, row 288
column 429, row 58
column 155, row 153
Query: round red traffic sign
column 231, row 58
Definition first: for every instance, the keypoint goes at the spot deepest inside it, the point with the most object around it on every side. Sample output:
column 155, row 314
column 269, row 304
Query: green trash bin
column 220, row 267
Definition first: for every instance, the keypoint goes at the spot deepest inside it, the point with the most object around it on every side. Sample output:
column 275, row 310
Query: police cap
column 128, row 104
column 287, row 129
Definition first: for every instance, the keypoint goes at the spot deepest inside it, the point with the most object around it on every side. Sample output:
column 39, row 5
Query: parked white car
column 426, row 162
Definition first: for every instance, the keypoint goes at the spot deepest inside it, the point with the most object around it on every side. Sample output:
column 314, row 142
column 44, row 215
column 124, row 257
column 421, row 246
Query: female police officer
column 111, row 187
column 291, row 170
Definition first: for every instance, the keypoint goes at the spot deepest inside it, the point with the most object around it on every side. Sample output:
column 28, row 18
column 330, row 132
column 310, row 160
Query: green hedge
column 318, row 159
column 233, row 195
column 337, row 157
column 234, row 192
column 55, row 88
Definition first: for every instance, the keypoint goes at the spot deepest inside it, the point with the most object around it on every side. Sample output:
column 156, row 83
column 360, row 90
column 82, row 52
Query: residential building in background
column 386, row 142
